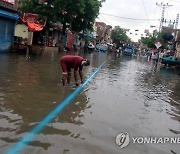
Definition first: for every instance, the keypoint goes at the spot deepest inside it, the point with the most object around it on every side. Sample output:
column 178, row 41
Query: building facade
column 103, row 32
column 8, row 18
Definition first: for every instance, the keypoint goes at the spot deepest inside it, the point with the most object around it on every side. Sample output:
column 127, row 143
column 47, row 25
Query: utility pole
column 163, row 6
column 177, row 20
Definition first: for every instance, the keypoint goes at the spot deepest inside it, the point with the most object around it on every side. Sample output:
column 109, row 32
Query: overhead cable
column 146, row 12
column 130, row 18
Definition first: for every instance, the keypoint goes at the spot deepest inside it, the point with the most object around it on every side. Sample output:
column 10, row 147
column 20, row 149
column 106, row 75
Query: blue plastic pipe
column 28, row 137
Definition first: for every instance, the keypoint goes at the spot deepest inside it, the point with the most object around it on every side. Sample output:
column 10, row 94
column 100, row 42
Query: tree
column 151, row 40
column 75, row 14
column 119, row 36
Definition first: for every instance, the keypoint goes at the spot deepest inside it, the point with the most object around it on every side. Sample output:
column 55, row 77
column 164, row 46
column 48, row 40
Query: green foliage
column 85, row 11
column 151, row 40
column 119, row 36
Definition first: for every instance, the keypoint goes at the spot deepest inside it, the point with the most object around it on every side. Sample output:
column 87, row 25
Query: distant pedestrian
column 155, row 57
column 67, row 51
column 161, row 55
column 69, row 62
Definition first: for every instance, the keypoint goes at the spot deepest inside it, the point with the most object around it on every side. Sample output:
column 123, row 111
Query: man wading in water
column 69, row 62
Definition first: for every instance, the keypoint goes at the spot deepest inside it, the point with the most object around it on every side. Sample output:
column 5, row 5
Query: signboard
column 9, row 1
column 30, row 17
column 33, row 21
column 35, row 18
column 158, row 44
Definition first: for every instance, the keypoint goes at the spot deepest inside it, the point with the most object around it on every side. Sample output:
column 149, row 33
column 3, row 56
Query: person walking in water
column 69, row 62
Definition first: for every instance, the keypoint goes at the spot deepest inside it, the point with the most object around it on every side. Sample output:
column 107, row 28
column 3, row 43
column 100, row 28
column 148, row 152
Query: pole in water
column 28, row 137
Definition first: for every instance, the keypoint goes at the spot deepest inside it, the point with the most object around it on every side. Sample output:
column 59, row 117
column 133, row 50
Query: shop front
column 8, row 18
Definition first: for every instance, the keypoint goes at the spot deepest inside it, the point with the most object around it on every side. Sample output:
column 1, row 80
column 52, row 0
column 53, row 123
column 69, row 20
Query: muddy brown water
column 126, row 95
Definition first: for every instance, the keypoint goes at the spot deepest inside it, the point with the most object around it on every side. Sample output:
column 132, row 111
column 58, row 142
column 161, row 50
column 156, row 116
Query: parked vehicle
column 90, row 47
column 102, row 47
column 170, row 61
column 128, row 50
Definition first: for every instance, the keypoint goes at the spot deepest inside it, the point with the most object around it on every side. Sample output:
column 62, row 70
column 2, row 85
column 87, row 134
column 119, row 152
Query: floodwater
column 126, row 95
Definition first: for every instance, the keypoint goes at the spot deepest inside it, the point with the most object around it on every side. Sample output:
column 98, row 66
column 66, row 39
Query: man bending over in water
column 69, row 62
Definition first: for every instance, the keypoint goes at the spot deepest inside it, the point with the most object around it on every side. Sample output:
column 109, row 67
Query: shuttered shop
column 7, row 24
column 6, row 34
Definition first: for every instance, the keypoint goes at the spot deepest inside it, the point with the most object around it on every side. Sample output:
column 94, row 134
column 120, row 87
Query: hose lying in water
column 28, row 137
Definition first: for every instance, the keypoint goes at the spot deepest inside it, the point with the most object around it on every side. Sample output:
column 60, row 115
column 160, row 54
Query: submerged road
column 127, row 95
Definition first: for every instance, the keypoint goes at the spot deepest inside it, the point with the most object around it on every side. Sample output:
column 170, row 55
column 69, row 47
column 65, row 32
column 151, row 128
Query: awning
column 34, row 27
column 9, row 15
column 31, row 20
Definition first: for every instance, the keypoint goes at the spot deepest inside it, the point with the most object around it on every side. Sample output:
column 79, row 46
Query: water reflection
column 161, row 87
column 29, row 90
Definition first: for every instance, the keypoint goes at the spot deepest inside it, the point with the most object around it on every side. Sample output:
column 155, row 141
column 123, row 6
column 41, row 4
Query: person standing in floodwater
column 67, row 51
column 69, row 62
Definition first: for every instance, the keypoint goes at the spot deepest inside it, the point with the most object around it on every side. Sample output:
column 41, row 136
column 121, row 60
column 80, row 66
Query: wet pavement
column 126, row 95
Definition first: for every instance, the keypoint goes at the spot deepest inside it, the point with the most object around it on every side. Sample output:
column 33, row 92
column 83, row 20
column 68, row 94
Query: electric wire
column 104, row 19
column 130, row 18
column 146, row 12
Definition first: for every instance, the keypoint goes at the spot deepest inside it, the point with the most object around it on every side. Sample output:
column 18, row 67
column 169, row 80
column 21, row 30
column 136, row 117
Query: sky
column 138, row 15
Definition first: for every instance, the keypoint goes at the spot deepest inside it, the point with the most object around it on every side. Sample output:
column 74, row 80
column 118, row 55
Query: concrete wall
column 21, row 30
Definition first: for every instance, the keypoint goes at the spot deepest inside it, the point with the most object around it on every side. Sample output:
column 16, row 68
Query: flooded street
column 126, row 95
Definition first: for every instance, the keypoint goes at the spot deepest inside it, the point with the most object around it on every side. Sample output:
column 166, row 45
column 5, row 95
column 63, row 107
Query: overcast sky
column 137, row 14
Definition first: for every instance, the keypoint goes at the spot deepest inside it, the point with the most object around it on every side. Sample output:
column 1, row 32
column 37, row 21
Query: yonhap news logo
column 123, row 140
